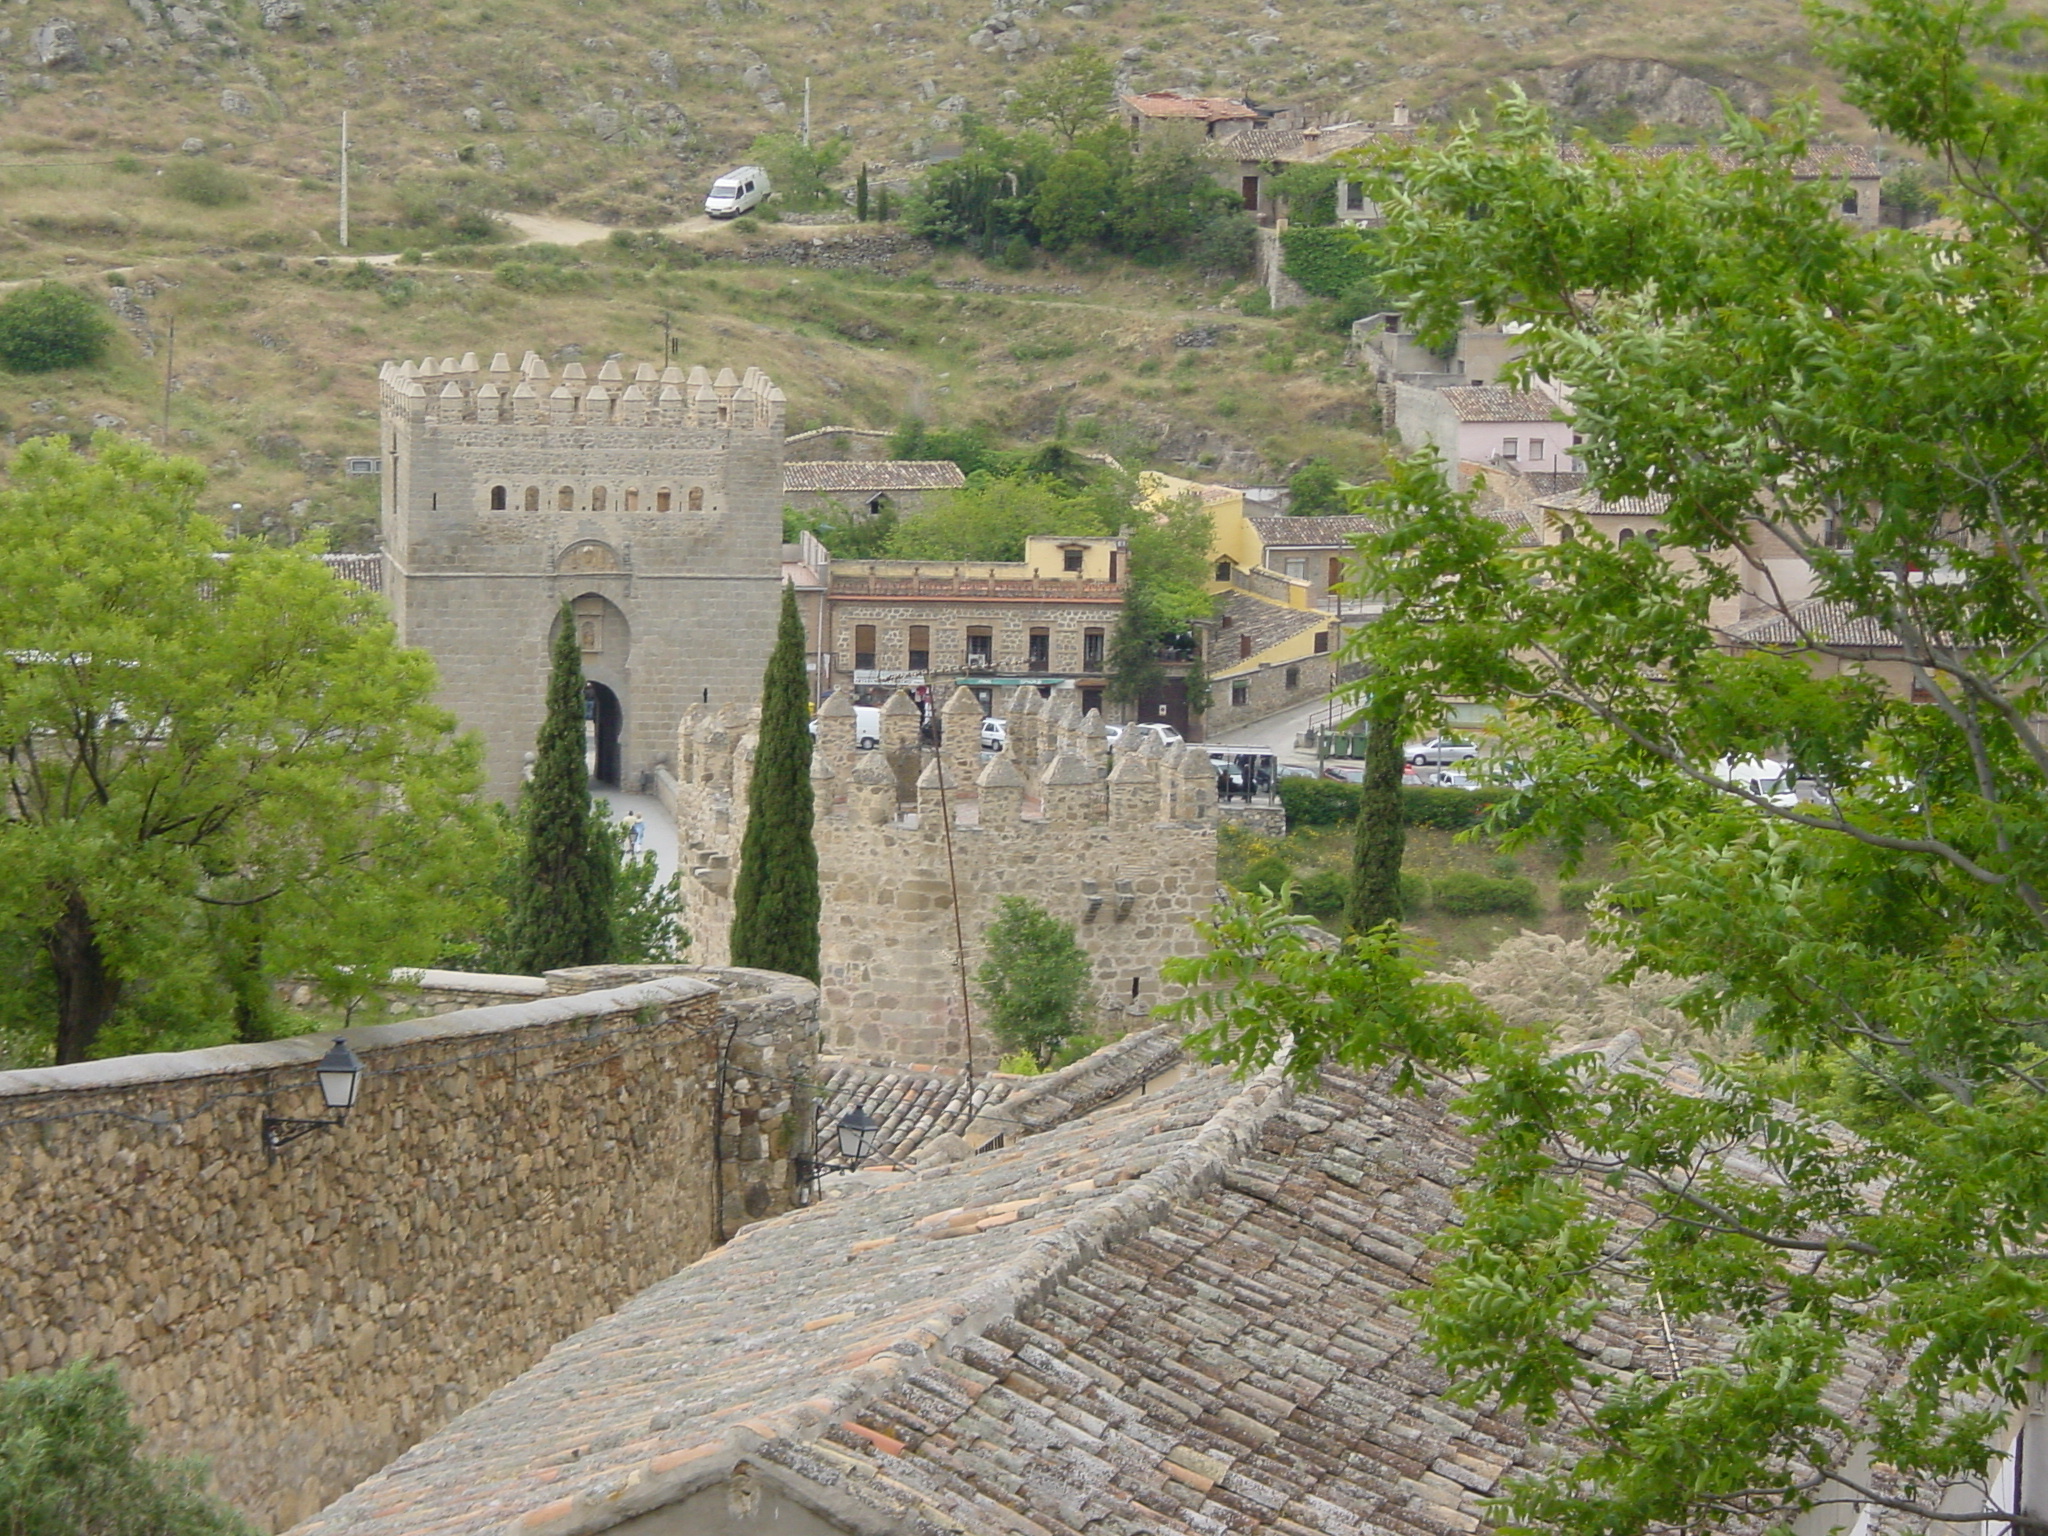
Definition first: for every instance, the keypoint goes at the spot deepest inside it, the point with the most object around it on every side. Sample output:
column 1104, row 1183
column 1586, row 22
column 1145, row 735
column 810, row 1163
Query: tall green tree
column 561, row 904
column 1861, row 1187
column 775, row 900
column 1068, row 94
column 1034, row 981
column 220, row 766
column 803, row 175
column 71, row 1461
column 1379, row 836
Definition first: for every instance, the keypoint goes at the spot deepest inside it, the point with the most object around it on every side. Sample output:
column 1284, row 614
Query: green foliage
column 1331, row 261
column 1022, row 1063
column 1257, row 304
column 524, row 275
column 1463, row 893
column 1315, row 491
column 1034, row 981
column 207, row 183
column 1379, row 831
column 1310, row 191
column 1073, row 202
column 1731, row 342
column 1318, row 802
column 803, row 176
column 51, row 326
column 1077, row 1048
column 1577, row 895
column 1267, row 873
column 561, row 906
column 989, row 519
column 847, row 534
column 860, row 194
column 71, row 1462
column 775, row 900
column 1323, row 895
column 1910, row 193
column 197, row 727
column 1068, row 95
column 965, row 446
column 646, row 923
column 1329, row 803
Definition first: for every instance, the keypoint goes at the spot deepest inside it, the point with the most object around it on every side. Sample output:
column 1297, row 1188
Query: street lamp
column 859, row 1135
column 340, row 1076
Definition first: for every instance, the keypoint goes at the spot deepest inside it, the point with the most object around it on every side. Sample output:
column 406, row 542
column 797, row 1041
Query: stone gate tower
column 650, row 500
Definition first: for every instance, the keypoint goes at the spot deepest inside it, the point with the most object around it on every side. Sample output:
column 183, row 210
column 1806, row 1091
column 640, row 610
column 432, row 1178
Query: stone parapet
column 508, row 1175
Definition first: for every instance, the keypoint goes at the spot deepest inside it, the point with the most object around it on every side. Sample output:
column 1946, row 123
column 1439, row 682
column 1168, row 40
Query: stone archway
column 605, row 641
column 602, row 718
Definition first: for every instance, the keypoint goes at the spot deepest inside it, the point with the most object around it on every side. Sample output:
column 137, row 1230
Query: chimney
column 1400, row 114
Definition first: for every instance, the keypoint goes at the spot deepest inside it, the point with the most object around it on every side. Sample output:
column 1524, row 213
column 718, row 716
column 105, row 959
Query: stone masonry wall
column 509, row 1175
column 1127, row 853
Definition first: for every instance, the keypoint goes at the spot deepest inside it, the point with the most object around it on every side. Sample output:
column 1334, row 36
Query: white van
column 737, row 191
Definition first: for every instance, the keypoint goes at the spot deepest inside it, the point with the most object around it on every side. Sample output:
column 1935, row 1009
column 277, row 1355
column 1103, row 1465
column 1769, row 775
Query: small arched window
column 565, row 499
column 696, row 498
column 1566, row 533
column 533, row 498
column 1626, row 535
column 632, row 502
column 664, row 500
column 597, row 498
column 1223, row 570
column 497, row 498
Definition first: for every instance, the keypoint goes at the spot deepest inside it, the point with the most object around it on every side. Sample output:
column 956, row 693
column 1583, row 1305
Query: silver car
column 1439, row 752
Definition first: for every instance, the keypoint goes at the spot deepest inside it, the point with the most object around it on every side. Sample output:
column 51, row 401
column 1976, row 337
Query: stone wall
column 509, row 1175
column 1124, row 848
column 1266, row 691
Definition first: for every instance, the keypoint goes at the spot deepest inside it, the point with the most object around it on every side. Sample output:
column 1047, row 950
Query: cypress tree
column 860, row 195
column 1380, row 835
column 562, row 900
column 775, row 902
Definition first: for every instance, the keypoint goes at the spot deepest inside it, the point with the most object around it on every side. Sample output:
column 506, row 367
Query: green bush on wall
column 1330, row 261
column 1329, row 803
column 1465, row 894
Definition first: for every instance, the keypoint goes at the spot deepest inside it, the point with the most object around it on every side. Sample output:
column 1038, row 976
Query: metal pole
column 344, row 181
column 807, row 111
column 170, row 357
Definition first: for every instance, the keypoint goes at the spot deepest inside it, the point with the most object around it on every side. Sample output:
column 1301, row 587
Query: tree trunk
column 86, row 990
column 1380, row 835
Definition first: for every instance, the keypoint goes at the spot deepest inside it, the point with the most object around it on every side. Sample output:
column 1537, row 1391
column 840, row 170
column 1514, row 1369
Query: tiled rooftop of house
column 1311, row 532
column 1586, row 503
column 1493, row 402
column 1814, row 622
column 1203, row 109
column 365, row 571
column 912, row 1106
column 873, row 475
column 1266, row 623
column 1296, row 145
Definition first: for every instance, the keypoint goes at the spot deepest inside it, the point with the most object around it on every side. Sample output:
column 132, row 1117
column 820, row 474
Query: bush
column 1329, row 262
column 1577, row 895
column 51, row 326
column 1021, row 1063
column 1034, row 983
column 1322, row 894
column 1318, row 802
column 1414, row 893
column 1077, row 1046
column 207, row 183
column 1268, row 873
column 1447, row 810
column 1464, row 894
column 1257, row 304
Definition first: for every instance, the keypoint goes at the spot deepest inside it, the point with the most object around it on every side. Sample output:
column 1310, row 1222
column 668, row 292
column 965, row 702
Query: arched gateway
column 508, row 492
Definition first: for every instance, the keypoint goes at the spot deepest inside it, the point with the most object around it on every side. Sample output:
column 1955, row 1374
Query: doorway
column 601, row 720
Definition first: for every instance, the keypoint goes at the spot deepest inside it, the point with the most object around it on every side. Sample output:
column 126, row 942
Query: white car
column 737, row 191
column 1166, row 734
column 995, row 733
column 1112, row 734
column 1767, row 779
column 867, row 727
column 1439, row 752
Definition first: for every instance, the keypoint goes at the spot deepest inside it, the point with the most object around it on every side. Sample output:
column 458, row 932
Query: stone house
column 1045, row 620
column 864, row 487
column 1248, row 160
column 648, row 500
column 1487, row 424
column 1179, row 1314
column 1217, row 117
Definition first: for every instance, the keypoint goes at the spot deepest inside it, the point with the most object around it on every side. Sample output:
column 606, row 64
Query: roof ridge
column 1191, row 1169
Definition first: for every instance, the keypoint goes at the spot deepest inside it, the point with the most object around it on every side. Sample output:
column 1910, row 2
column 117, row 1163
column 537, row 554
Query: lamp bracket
column 279, row 1132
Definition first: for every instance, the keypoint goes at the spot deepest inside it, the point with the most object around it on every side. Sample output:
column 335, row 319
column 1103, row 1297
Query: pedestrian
column 636, row 830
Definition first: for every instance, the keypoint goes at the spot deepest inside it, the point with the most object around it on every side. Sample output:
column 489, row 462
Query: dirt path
column 535, row 227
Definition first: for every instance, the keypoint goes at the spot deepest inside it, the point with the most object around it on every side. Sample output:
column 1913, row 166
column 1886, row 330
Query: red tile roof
column 881, row 475
column 1205, row 109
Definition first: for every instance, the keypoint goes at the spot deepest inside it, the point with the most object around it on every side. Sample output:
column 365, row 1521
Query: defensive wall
column 1121, row 845
column 649, row 499
column 509, row 1175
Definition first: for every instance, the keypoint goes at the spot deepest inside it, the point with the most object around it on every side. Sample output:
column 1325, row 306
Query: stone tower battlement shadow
column 1122, row 845
column 648, row 499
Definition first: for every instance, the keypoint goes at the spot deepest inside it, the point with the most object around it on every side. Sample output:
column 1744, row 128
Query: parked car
column 1453, row 778
column 1297, row 771
column 1166, row 734
column 867, row 727
column 738, row 191
column 995, row 733
column 1113, row 734
column 1764, row 777
column 1439, row 752
column 1344, row 773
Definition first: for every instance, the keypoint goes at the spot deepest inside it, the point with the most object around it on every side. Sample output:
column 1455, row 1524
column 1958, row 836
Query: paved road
column 1278, row 733
column 660, row 835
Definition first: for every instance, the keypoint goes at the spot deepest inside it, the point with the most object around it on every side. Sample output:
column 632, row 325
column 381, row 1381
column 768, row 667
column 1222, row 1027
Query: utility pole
column 170, row 357
column 668, row 345
column 344, row 181
column 807, row 111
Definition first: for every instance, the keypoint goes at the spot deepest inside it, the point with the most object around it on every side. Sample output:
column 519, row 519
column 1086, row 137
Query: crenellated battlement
column 1123, row 844
column 463, row 390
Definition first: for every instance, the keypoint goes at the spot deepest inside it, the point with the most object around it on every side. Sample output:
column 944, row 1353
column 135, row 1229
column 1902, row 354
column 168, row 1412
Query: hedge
column 1330, row 803
column 1465, row 894
column 1330, row 260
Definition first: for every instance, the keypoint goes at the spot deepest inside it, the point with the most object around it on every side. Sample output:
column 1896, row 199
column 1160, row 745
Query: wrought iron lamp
column 859, row 1134
column 340, row 1076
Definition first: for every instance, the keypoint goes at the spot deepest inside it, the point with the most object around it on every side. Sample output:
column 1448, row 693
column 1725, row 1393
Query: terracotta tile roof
column 1815, row 621
column 1311, row 532
column 1494, row 402
column 1586, row 503
column 912, row 1106
column 1296, row 145
column 871, row 476
column 366, row 571
column 1267, row 623
column 1181, row 1316
column 1206, row 109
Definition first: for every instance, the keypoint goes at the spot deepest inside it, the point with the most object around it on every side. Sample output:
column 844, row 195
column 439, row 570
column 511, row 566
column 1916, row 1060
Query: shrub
column 1329, row 261
column 51, row 326
column 1258, row 303
column 1322, row 894
column 1447, row 810
column 1414, row 893
column 1077, row 1046
column 1268, row 873
column 1034, row 983
column 207, row 183
column 1318, row 802
column 1022, row 1063
column 1577, row 895
column 1465, row 894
